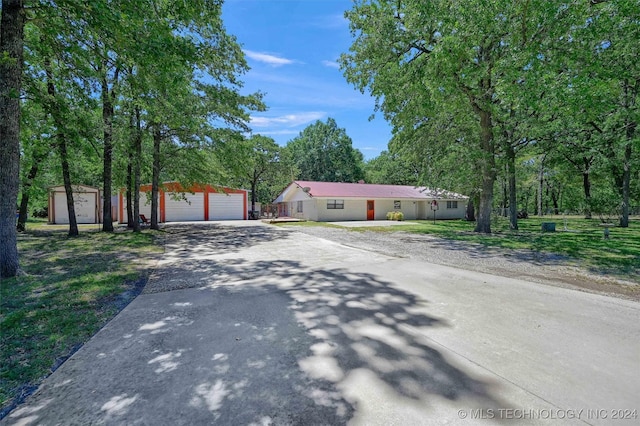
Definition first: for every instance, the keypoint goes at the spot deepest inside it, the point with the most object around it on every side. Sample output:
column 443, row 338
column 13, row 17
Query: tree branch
column 595, row 126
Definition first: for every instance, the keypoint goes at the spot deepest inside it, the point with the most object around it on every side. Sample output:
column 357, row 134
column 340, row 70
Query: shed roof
column 366, row 190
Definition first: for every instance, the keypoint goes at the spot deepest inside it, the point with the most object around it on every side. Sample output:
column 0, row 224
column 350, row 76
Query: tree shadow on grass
column 266, row 342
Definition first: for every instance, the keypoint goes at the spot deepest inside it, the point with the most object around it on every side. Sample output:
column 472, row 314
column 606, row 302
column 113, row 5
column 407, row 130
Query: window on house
column 299, row 209
column 452, row 204
column 396, row 205
column 335, row 204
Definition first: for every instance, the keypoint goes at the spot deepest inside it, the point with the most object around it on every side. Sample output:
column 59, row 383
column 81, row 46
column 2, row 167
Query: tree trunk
column 525, row 200
column 488, row 174
column 155, row 180
column 137, row 159
column 11, row 45
column 24, row 206
column 26, row 186
column 630, row 95
column 626, row 177
column 586, row 185
column 66, row 177
column 505, row 197
column 107, row 123
column 555, row 196
column 61, row 138
column 511, row 176
column 541, row 186
column 254, row 184
column 470, row 215
column 129, row 191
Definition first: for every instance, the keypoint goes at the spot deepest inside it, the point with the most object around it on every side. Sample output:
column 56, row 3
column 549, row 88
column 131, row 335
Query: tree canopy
column 150, row 86
column 324, row 152
column 497, row 77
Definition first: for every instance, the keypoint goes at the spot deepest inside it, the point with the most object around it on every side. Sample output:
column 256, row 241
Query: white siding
column 423, row 208
column 292, row 193
column 443, row 212
column 309, row 209
column 182, row 210
column 85, row 207
column 408, row 208
column 61, row 213
column 226, row 207
column 145, row 206
column 354, row 209
column 84, row 204
column 299, row 195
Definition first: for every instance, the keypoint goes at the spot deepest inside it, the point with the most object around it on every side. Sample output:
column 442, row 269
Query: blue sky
column 292, row 47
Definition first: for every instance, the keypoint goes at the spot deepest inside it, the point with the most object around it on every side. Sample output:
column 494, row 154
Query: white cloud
column 331, row 64
column 287, row 120
column 272, row 60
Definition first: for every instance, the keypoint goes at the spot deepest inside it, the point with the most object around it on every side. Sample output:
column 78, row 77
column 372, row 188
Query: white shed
column 86, row 202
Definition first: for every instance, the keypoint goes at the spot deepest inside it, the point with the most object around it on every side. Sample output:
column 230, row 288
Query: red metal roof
column 367, row 190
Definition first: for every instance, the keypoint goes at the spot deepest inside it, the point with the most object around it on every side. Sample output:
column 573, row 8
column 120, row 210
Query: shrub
column 395, row 216
column 42, row 212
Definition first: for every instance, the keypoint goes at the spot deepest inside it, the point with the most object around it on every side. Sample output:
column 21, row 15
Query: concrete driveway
column 247, row 324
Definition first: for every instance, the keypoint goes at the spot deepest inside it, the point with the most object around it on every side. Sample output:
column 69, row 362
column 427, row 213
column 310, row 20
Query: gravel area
column 544, row 268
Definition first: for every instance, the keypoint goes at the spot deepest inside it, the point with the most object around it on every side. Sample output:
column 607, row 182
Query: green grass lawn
column 72, row 288
column 583, row 240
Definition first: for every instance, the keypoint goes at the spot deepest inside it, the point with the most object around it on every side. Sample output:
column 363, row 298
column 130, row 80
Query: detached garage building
column 197, row 203
column 86, row 202
column 331, row 201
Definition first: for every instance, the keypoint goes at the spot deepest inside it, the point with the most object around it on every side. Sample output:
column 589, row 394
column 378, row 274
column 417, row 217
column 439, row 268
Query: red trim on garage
column 162, row 206
column 196, row 188
column 206, row 203
column 52, row 210
column 244, row 203
column 121, row 208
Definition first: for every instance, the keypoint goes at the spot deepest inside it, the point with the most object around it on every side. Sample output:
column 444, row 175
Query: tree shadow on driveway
column 187, row 240
column 256, row 342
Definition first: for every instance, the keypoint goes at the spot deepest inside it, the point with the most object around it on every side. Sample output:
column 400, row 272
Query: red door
column 371, row 213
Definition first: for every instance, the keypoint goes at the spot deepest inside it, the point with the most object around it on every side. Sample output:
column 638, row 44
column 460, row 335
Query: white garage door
column 226, row 207
column 84, row 204
column 184, row 210
column 145, row 205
